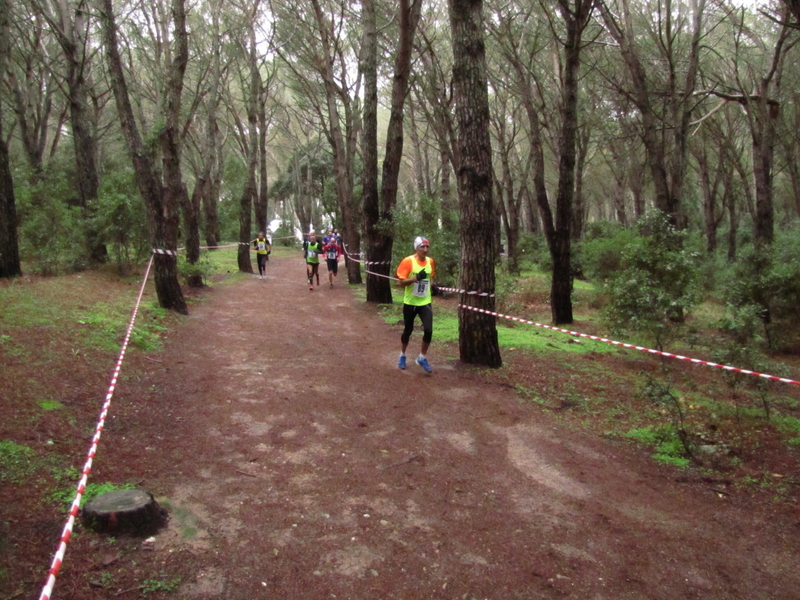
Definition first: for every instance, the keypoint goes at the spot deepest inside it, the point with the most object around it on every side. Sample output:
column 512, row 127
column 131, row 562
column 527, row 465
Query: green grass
column 151, row 586
column 48, row 405
column 65, row 495
column 667, row 447
column 17, row 462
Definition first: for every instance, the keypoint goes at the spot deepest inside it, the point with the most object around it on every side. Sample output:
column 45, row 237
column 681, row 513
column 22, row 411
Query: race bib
column 262, row 245
column 312, row 254
column 421, row 288
column 332, row 254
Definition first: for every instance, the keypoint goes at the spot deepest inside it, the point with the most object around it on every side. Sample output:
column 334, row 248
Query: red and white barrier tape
column 161, row 251
column 365, row 262
column 633, row 347
column 66, row 534
column 467, row 292
column 380, row 275
column 216, row 247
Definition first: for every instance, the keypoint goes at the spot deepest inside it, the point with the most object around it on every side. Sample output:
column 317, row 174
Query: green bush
column 599, row 255
column 656, row 283
column 533, row 251
column 767, row 280
column 204, row 267
column 120, row 216
column 51, row 232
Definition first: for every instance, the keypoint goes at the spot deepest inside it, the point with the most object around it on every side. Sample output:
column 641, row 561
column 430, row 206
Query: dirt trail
column 300, row 463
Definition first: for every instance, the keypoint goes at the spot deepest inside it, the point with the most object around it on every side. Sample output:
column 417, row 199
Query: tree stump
column 134, row 512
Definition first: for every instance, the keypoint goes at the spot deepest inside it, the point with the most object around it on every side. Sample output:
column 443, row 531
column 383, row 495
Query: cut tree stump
column 124, row 511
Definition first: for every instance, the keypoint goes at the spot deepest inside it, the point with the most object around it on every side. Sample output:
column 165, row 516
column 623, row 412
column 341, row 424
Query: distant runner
column 332, row 251
column 262, row 248
column 311, row 251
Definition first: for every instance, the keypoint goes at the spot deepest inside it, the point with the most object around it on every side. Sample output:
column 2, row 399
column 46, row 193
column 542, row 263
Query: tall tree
column 576, row 15
column 250, row 191
column 661, row 87
column 477, row 338
column 379, row 220
column 162, row 206
column 9, row 246
column 70, row 23
column 211, row 172
column 376, row 292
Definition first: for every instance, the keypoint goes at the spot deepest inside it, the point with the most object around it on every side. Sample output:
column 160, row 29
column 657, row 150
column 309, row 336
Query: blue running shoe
column 423, row 362
column 401, row 364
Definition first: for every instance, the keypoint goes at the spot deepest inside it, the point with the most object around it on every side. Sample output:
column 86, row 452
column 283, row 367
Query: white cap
column 419, row 241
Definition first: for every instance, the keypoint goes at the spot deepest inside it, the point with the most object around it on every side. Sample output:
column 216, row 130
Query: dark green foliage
column 766, row 283
column 120, row 217
column 445, row 245
column 599, row 255
column 51, row 234
column 203, row 268
column 650, row 276
column 533, row 251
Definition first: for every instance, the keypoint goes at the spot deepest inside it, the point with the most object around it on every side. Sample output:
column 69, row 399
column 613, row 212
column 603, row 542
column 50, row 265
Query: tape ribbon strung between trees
column 597, row 338
column 81, row 488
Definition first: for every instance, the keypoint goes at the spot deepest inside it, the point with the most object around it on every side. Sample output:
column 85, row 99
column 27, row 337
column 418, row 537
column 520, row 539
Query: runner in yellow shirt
column 416, row 273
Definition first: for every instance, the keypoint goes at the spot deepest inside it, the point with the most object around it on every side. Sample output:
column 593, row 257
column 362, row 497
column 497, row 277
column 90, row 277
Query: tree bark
column 378, row 288
column 477, row 331
column 250, row 191
column 381, row 235
column 162, row 209
column 9, row 245
column 262, row 207
column 210, row 191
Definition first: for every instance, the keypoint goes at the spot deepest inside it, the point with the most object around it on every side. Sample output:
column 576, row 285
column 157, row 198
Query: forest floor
column 296, row 461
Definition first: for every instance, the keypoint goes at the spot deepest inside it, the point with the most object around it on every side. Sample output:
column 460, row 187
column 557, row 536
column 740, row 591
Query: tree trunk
column 378, row 288
column 262, row 215
column 250, row 191
column 71, row 34
column 763, row 135
column 477, row 331
column 9, row 245
column 383, row 235
column 210, row 191
column 191, row 214
column 161, row 212
column 733, row 228
column 339, row 147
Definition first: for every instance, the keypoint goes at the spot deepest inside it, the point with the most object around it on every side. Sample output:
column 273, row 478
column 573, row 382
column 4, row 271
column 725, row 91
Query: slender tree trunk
column 210, row 191
column 250, row 191
column 262, row 212
column 763, row 136
column 341, row 165
column 733, row 228
column 477, row 331
column 380, row 250
column 191, row 214
column 579, row 208
column 511, row 210
column 162, row 214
